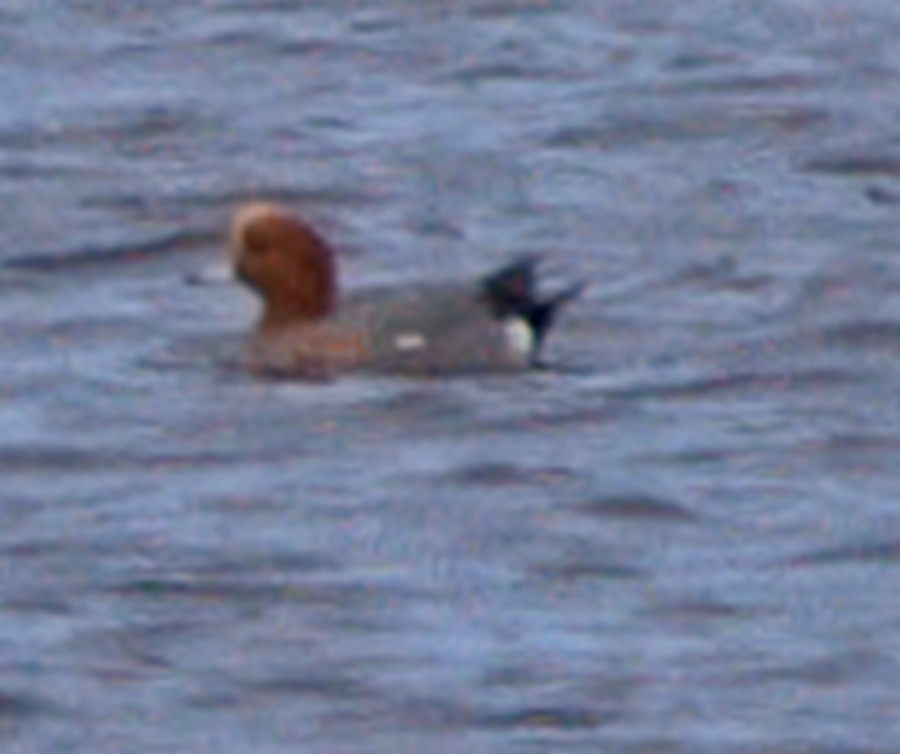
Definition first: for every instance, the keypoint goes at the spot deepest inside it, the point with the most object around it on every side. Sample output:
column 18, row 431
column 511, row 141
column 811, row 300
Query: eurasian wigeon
column 307, row 329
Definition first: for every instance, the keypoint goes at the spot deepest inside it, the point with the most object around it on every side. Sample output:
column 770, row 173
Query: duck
column 309, row 328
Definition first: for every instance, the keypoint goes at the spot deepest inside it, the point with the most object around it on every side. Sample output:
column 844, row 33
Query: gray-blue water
column 684, row 540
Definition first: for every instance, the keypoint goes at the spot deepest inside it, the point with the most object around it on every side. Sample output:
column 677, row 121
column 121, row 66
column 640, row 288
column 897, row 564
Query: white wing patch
column 519, row 335
column 410, row 341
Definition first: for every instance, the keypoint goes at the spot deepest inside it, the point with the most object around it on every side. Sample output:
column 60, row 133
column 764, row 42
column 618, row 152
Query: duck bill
column 220, row 273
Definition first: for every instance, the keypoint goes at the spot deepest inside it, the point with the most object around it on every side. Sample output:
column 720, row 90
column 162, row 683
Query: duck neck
column 281, row 315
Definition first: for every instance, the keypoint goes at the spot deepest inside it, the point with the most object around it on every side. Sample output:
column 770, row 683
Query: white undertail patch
column 410, row 341
column 519, row 335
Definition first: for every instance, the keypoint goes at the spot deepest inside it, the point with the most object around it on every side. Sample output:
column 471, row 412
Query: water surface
column 684, row 539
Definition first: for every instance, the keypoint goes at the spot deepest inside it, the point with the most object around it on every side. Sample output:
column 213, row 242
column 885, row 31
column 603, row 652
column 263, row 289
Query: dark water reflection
column 680, row 539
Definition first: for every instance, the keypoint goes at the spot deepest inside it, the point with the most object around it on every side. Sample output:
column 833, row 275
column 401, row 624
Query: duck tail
column 543, row 314
column 512, row 292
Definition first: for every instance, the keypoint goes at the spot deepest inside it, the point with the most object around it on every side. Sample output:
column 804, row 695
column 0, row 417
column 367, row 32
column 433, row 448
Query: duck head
column 285, row 262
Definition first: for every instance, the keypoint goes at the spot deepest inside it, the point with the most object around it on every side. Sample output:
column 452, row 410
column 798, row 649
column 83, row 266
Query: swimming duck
column 308, row 328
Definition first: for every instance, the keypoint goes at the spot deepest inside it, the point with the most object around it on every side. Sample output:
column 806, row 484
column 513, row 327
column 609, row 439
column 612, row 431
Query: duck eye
column 258, row 249
column 255, row 242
